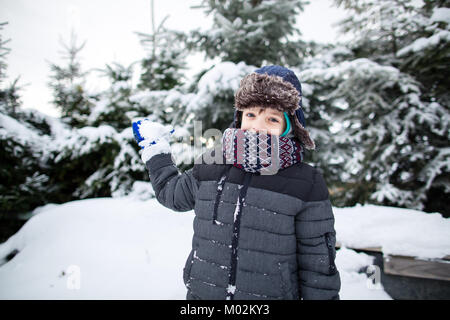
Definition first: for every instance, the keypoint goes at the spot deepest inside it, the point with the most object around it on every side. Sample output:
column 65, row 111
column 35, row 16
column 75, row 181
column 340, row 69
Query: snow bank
column 397, row 231
column 108, row 248
column 126, row 248
column 355, row 284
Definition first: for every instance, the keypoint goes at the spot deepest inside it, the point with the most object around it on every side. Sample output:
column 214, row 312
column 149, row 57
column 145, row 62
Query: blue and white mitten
column 152, row 137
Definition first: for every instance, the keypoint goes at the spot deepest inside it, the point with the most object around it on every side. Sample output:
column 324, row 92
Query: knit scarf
column 260, row 152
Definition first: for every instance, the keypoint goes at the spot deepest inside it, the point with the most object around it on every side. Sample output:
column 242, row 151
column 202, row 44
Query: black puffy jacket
column 255, row 236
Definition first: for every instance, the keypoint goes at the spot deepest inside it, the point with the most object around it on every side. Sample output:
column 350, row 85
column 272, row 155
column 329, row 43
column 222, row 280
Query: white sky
column 35, row 27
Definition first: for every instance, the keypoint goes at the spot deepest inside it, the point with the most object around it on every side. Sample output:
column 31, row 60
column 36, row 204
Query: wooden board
column 371, row 249
column 378, row 249
column 437, row 269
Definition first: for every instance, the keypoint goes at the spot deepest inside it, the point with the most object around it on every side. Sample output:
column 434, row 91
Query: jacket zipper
column 235, row 240
column 220, row 185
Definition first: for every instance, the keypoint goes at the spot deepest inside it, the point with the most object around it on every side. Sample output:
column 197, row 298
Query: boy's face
column 268, row 120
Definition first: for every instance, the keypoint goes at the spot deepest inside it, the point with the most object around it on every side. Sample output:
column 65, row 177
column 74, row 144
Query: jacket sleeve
column 173, row 190
column 316, row 238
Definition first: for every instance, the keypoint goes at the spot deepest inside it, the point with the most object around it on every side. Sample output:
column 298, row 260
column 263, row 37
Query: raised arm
column 173, row 189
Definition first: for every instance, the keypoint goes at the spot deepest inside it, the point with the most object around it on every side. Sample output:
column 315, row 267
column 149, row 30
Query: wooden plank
column 378, row 249
column 437, row 269
column 371, row 249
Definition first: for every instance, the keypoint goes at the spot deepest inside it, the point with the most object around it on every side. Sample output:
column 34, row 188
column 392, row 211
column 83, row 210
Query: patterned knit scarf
column 259, row 152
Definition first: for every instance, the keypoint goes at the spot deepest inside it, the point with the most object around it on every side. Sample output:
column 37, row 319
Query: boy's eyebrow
column 273, row 112
column 260, row 110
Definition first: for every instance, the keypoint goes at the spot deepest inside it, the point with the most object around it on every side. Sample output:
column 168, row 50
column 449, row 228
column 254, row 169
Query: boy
column 258, row 233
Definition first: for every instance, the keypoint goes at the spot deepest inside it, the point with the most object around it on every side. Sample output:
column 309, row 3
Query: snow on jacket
column 255, row 236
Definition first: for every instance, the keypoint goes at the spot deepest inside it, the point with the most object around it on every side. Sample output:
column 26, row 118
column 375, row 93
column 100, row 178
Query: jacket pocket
column 331, row 252
column 288, row 283
column 188, row 267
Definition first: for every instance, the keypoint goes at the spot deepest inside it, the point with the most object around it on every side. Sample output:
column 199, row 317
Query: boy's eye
column 249, row 114
column 274, row 120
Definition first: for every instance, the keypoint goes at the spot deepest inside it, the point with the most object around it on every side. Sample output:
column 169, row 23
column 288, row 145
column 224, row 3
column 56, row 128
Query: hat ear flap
column 237, row 119
column 300, row 116
column 303, row 135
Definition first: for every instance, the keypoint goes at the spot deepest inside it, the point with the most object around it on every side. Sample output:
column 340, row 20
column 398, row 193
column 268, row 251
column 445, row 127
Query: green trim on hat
column 288, row 125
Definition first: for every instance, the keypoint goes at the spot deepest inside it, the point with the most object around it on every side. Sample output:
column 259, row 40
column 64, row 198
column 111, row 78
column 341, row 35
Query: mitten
column 152, row 137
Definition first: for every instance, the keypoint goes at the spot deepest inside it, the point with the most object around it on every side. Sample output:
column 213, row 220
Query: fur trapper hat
column 274, row 87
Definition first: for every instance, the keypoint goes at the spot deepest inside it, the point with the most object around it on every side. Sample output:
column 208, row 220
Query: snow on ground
column 110, row 248
column 398, row 231
column 126, row 248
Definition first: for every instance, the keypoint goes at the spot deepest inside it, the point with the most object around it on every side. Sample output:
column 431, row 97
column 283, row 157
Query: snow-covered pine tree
column 380, row 28
column 113, row 113
column 244, row 35
column 214, row 94
column 411, row 35
column 23, row 163
column 162, row 74
column 427, row 55
column 252, row 31
column 112, row 117
column 68, row 85
column 9, row 94
column 391, row 136
column 320, row 113
column 161, row 69
column 427, row 59
column 101, row 158
column 161, row 94
column 4, row 51
column 113, row 106
column 83, row 166
column 386, row 128
column 166, row 59
column 24, row 145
